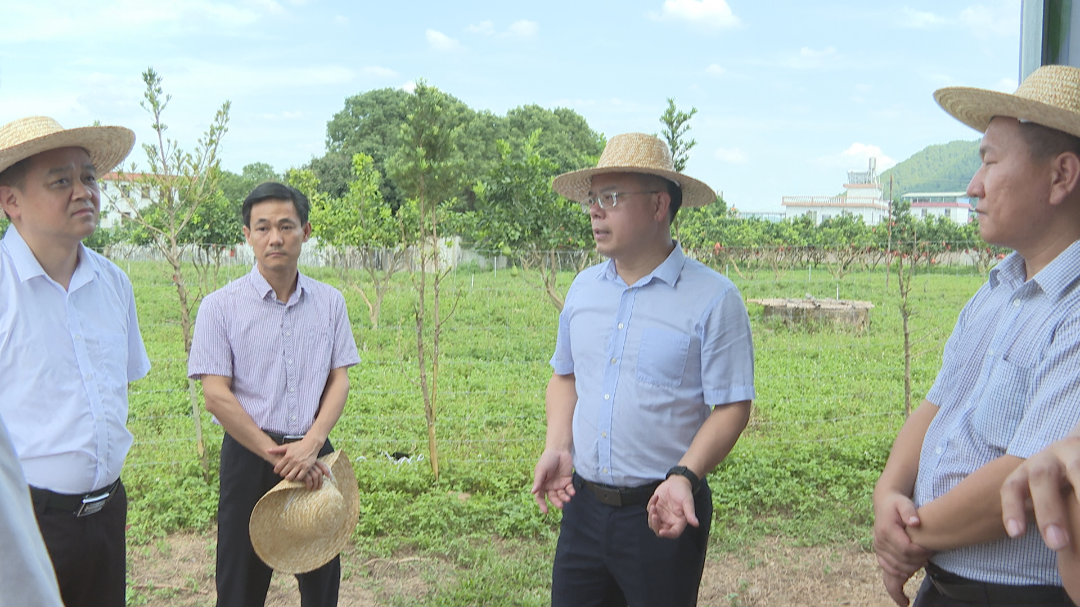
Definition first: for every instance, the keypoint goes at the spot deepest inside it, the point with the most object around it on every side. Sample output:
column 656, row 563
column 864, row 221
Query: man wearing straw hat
column 273, row 350
column 652, row 385
column 69, row 345
column 1009, row 382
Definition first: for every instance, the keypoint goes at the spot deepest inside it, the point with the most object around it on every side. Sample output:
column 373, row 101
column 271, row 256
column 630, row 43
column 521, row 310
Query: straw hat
column 108, row 146
column 295, row 530
column 1050, row 96
column 634, row 153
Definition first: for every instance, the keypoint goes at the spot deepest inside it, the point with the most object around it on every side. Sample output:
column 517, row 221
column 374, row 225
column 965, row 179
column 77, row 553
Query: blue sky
column 790, row 95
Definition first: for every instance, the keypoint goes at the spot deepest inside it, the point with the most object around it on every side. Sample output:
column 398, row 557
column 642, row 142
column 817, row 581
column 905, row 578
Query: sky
column 789, row 95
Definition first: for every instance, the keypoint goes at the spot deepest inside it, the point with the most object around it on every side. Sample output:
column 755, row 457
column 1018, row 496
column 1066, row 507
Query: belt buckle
column 91, row 505
column 611, row 497
column 291, row 438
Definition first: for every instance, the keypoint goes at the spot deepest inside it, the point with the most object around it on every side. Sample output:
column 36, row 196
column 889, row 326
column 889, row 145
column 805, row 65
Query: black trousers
column 242, row 577
column 930, row 596
column 89, row 553
column 608, row 557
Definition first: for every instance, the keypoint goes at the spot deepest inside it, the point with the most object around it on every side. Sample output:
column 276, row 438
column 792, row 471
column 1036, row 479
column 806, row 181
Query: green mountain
column 937, row 168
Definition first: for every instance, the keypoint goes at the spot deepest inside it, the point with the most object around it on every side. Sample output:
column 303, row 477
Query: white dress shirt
column 66, row 358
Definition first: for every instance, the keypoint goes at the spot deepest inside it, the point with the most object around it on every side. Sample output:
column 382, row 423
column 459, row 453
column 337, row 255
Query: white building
column 957, row 206
column 114, row 204
column 862, row 197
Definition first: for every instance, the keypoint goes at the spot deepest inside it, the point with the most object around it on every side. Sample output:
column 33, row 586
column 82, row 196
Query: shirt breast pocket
column 112, row 356
column 662, row 357
column 1007, row 393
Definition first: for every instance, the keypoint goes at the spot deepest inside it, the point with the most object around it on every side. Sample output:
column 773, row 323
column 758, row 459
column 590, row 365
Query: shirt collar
column 27, row 265
column 1058, row 275
column 264, row 290
column 668, row 271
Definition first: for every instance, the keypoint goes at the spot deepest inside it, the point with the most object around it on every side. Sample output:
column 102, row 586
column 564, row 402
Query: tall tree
column 428, row 168
column 675, row 127
column 179, row 183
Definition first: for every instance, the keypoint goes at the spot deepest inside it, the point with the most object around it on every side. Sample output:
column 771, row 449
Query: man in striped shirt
column 1008, row 383
column 272, row 350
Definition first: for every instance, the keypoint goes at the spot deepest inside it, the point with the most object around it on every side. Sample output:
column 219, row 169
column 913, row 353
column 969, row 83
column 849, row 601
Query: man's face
column 628, row 226
column 1013, row 189
column 58, row 201
column 276, row 234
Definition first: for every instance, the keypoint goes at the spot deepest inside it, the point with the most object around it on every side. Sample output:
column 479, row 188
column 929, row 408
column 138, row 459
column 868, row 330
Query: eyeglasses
column 608, row 200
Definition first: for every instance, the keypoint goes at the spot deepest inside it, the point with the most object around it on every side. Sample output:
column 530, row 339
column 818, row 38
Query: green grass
column 829, row 404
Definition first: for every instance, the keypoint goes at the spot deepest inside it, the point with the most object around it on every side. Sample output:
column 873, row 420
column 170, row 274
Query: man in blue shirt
column 1008, row 384
column 652, row 385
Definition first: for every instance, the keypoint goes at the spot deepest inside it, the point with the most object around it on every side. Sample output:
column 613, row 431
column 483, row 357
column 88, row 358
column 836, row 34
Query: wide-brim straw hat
column 1050, row 96
column 108, row 146
column 296, row 530
column 634, row 153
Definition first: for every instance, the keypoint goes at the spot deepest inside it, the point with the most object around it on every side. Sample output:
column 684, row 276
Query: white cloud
column 710, row 14
column 269, row 6
column 286, row 115
column 523, row 29
column 809, row 53
column 409, row 87
column 441, row 42
column 375, row 71
column 920, row 20
column 809, row 58
column 715, row 70
column 990, row 21
column 731, row 155
column 857, row 157
column 341, row 20
column 484, row 27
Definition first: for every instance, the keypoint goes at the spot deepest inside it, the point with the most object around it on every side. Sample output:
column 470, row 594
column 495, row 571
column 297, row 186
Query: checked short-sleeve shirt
column 649, row 360
column 278, row 355
column 1009, row 385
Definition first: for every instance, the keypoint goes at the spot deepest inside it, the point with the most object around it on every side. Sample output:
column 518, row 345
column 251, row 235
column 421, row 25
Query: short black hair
column 271, row 190
column 1044, row 142
column 15, row 175
column 666, row 185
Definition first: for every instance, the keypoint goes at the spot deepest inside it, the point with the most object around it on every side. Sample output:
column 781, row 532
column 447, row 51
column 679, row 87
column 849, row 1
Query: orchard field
column 829, row 402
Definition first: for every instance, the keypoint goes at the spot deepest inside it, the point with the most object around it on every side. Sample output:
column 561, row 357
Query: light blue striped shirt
column 1009, row 385
column 649, row 360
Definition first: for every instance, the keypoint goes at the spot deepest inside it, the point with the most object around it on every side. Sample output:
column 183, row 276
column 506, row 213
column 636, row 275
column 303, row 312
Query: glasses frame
column 613, row 197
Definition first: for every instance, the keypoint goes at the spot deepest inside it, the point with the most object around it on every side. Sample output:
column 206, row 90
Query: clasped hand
column 298, row 461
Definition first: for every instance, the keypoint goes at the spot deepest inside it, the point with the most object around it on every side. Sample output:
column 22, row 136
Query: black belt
column 80, row 505
column 282, row 439
column 617, row 496
column 965, row 590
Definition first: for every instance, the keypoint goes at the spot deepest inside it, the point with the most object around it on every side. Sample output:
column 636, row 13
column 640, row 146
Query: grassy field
column 829, row 404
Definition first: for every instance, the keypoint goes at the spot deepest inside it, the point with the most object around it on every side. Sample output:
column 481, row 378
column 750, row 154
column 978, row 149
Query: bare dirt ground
column 179, row 572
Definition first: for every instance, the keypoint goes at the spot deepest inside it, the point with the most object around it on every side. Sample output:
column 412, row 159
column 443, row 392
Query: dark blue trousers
column 608, row 557
column 242, row 577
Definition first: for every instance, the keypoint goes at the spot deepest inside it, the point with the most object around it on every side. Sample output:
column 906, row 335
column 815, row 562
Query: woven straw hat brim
column 108, row 146
column 575, row 185
column 289, row 551
column 1050, row 96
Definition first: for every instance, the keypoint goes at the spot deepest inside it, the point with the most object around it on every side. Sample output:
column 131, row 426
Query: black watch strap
column 695, row 482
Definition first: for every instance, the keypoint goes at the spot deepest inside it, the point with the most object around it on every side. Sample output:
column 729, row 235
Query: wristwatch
column 695, row 482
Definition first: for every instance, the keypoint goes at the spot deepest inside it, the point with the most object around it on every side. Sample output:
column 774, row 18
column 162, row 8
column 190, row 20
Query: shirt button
column 88, row 376
column 990, row 352
column 605, row 470
column 937, row 450
column 289, row 361
column 1016, row 303
column 621, row 325
column 607, row 397
column 294, row 418
column 292, row 389
column 78, row 337
column 288, row 333
column 614, row 360
column 603, row 434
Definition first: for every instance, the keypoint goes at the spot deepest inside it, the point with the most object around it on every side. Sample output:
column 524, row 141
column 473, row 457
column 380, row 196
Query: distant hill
column 937, row 168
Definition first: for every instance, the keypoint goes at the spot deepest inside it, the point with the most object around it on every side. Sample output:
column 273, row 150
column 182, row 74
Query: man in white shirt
column 70, row 337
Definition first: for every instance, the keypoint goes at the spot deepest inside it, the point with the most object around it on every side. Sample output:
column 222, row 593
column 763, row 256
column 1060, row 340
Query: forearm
column 559, row 402
column 716, row 437
column 902, row 467
column 969, row 513
column 331, row 405
column 222, row 404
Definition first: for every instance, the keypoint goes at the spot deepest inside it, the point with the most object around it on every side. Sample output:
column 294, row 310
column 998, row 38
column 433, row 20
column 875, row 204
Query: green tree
column 516, row 209
column 178, row 183
column 676, row 125
column 428, row 168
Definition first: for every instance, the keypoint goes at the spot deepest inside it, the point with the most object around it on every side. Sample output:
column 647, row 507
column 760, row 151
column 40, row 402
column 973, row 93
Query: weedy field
column 829, row 403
